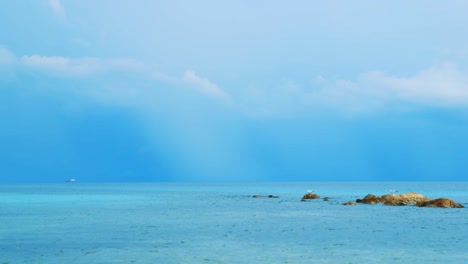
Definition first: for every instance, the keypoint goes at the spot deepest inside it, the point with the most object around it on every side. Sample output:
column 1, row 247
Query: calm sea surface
column 222, row 223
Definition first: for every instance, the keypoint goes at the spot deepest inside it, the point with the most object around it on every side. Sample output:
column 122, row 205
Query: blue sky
column 208, row 90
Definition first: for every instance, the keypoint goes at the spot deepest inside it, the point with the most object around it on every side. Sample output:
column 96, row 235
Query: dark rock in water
column 260, row 196
column 440, row 202
column 350, row 203
column 326, row 199
column 310, row 196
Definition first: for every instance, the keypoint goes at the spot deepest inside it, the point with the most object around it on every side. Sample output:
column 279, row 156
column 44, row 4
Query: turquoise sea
column 222, row 223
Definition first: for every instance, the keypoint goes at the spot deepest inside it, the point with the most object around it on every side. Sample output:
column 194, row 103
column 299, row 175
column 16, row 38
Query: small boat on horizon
column 71, row 180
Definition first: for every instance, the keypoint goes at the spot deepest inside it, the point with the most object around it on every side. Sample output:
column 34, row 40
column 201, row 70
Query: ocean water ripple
column 222, row 223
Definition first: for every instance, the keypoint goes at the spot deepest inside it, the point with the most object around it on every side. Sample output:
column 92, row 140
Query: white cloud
column 6, row 57
column 79, row 66
column 160, row 76
column 444, row 84
column 348, row 97
column 57, row 7
column 81, row 42
column 127, row 65
column 204, row 85
column 63, row 65
column 86, row 66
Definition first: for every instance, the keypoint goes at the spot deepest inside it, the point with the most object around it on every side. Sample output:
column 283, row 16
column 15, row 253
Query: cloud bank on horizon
column 234, row 91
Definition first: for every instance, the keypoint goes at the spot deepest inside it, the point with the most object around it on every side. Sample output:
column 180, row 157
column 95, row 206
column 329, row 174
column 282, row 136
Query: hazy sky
column 149, row 90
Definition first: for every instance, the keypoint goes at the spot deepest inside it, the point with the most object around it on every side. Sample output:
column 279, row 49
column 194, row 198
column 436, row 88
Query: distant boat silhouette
column 393, row 191
column 71, row 180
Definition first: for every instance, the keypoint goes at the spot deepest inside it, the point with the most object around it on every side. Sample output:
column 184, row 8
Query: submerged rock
column 350, row 203
column 257, row 196
column 273, row 196
column 440, row 202
column 326, row 199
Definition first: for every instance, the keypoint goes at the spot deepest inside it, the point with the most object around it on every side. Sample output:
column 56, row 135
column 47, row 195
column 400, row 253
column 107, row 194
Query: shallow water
column 222, row 223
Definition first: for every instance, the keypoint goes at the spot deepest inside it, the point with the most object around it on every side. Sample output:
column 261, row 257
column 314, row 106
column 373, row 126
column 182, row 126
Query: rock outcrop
column 310, row 196
column 411, row 198
column 350, row 203
column 394, row 199
column 369, row 199
column 440, row 202
column 403, row 199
